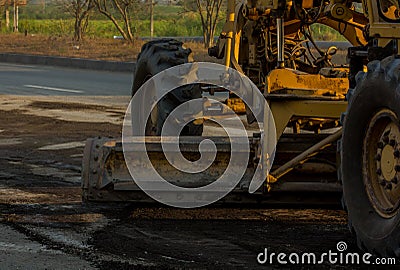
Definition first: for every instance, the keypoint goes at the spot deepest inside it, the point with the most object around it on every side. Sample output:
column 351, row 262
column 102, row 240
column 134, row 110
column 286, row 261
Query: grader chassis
column 337, row 126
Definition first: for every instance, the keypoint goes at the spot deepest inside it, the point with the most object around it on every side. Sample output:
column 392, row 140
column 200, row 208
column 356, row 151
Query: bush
column 50, row 27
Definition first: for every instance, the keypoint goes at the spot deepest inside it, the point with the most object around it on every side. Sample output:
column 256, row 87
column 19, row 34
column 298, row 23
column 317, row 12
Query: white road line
column 16, row 65
column 53, row 88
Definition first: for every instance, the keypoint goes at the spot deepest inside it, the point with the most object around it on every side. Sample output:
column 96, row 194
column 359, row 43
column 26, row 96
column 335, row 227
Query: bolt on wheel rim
column 381, row 163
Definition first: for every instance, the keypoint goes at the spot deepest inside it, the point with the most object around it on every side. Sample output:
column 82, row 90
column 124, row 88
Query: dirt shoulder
column 42, row 140
column 98, row 48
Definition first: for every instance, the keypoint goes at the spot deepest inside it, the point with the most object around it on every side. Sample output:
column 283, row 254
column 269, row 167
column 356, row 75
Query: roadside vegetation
column 168, row 21
column 174, row 20
column 49, row 28
column 185, row 26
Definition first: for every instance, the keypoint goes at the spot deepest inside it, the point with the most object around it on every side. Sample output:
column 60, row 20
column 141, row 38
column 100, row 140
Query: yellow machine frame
column 292, row 94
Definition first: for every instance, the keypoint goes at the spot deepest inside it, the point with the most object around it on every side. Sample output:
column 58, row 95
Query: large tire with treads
column 155, row 57
column 370, row 158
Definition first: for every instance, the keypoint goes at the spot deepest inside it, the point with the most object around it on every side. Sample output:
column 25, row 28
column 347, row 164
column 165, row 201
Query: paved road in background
column 44, row 80
column 33, row 80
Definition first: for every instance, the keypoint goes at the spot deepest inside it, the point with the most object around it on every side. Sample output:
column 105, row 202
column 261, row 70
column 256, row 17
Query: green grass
column 48, row 27
column 323, row 32
column 169, row 21
column 187, row 24
column 55, row 11
column 166, row 12
column 181, row 26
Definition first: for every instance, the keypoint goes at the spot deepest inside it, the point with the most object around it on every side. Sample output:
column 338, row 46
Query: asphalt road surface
column 45, row 225
column 44, row 80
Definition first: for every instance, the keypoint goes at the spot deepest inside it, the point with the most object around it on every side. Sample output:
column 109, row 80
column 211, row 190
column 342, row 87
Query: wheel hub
column 381, row 158
column 387, row 163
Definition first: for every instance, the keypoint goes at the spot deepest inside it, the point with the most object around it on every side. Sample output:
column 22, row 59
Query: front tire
column 155, row 57
column 370, row 157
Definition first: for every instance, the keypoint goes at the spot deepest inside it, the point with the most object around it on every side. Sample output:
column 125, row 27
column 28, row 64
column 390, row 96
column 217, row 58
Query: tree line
column 124, row 13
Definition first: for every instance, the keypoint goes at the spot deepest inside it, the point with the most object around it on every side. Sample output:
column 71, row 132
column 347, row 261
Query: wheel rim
column 381, row 160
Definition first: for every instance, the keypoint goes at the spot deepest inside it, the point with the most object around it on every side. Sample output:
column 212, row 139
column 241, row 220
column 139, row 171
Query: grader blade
column 106, row 176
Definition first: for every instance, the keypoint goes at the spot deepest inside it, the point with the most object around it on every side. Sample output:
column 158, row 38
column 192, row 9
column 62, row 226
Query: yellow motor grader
column 337, row 126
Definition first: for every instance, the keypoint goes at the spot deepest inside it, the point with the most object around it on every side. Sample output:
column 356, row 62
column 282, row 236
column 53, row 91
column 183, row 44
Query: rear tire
column 155, row 57
column 370, row 158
